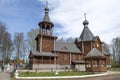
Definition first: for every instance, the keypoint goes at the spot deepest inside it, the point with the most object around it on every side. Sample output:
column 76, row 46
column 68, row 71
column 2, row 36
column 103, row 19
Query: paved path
column 106, row 77
column 4, row 76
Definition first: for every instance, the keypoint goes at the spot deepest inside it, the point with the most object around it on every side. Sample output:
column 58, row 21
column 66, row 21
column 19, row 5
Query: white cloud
column 103, row 16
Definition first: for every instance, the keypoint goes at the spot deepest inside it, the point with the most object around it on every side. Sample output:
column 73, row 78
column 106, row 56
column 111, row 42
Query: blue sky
column 21, row 15
column 67, row 15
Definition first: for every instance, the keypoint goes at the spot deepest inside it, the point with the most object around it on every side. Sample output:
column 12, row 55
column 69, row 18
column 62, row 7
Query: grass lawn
column 45, row 74
column 114, row 69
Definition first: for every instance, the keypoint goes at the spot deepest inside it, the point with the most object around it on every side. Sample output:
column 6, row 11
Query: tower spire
column 46, row 25
column 86, row 34
column 46, row 8
column 46, row 16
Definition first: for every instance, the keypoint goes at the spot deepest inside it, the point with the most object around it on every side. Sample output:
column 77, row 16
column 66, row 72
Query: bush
column 114, row 64
column 74, row 70
column 27, row 72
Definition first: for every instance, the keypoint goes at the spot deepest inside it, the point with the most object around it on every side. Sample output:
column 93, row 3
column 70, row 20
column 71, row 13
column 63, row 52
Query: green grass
column 45, row 74
column 114, row 69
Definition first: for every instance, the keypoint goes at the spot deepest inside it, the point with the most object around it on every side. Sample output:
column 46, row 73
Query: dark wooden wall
column 64, row 57
column 47, row 44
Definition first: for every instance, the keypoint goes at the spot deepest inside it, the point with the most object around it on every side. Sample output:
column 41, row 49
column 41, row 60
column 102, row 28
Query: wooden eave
column 95, row 57
column 43, row 35
column 65, row 51
column 31, row 55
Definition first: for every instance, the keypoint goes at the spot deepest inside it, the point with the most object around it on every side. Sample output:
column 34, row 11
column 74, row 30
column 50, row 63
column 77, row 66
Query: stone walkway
column 4, row 76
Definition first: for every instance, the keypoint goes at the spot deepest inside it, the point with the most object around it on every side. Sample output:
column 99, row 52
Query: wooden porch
column 96, row 64
column 43, row 60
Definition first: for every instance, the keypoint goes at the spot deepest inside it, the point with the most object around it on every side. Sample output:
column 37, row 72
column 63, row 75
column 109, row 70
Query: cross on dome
column 85, row 22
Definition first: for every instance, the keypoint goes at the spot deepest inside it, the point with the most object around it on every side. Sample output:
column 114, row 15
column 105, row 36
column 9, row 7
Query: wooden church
column 87, row 53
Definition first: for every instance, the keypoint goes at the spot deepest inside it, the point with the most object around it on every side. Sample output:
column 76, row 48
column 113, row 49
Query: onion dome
column 85, row 22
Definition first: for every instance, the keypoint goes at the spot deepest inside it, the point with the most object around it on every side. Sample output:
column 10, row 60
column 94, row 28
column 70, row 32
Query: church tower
column 45, row 40
column 87, row 41
column 46, row 25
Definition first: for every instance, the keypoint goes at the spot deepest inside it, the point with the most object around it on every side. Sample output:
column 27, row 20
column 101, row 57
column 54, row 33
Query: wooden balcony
column 43, row 61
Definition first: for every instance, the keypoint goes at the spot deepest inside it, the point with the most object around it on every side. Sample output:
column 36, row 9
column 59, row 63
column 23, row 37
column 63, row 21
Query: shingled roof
column 36, row 53
column 46, row 17
column 86, row 34
column 94, row 53
column 67, row 47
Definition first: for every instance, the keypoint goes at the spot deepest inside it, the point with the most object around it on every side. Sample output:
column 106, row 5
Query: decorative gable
column 64, row 48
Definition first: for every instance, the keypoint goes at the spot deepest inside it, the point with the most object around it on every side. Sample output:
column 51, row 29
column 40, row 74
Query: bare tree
column 25, row 50
column 2, row 31
column 61, row 40
column 6, row 46
column 116, row 49
column 68, row 40
column 31, row 38
column 18, row 44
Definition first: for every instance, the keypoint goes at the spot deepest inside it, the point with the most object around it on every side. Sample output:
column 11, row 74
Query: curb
column 61, row 77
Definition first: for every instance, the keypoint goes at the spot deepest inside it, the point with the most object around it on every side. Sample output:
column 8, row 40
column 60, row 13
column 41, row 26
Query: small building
column 86, row 52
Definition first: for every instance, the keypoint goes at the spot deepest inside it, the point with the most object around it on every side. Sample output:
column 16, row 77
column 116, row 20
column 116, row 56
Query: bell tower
column 45, row 41
column 46, row 25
